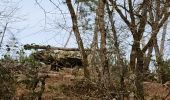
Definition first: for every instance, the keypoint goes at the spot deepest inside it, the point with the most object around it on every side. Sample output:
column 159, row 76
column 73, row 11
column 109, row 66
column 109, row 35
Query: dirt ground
column 56, row 88
column 55, row 84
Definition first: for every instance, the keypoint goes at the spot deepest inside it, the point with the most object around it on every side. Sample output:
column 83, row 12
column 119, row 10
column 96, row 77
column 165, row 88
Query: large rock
column 58, row 58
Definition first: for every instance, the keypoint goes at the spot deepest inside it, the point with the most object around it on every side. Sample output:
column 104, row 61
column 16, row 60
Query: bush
column 166, row 70
column 7, row 84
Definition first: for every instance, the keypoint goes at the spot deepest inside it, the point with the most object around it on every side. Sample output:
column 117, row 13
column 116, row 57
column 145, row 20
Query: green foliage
column 31, row 70
column 166, row 70
column 86, row 11
column 30, row 78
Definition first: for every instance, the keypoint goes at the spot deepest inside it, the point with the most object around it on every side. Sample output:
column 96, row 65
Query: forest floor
column 55, row 85
column 68, row 84
column 60, row 86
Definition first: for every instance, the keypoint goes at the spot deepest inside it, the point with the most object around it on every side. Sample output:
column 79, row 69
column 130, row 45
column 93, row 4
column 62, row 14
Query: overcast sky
column 36, row 30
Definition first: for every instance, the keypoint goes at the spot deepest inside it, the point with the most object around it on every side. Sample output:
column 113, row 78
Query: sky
column 34, row 29
column 29, row 25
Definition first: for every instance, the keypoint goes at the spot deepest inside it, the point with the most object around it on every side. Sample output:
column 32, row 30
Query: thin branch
column 45, row 12
column 3, row 34
column 59, row 10
column 121, row 14
column 68, row 38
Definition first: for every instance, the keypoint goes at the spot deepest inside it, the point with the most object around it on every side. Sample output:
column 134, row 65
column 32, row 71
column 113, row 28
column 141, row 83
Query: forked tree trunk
column 137, row 28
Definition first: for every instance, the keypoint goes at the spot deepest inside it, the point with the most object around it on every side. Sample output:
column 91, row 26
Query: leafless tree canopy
column 121, row 45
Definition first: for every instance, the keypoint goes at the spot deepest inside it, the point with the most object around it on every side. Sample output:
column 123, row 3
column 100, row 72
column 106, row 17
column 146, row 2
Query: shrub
column 7, row 83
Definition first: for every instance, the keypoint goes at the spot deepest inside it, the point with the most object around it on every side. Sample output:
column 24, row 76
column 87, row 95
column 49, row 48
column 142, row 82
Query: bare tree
column 156, row 21
column 8, row 18
column 136, row 24
column 139, row 16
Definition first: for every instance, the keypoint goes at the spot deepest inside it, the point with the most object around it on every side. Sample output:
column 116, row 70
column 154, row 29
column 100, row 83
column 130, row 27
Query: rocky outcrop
column 59, row 59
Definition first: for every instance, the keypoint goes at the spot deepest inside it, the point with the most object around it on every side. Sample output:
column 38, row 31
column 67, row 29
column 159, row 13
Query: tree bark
column 147, row 59
column 105, row 78
column 137, row 30
column 94, row 51
column 163, row 37
column 78, row 38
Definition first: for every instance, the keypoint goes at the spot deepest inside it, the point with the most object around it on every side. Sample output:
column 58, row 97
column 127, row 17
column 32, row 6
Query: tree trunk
column 78, row 38
column 159, row 61
column 147, row 59
column 136, row 63
column 95, row 66
column 103, row 55
column 163, row 37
